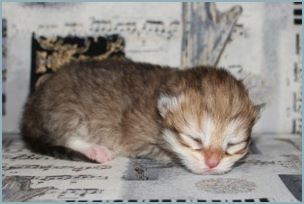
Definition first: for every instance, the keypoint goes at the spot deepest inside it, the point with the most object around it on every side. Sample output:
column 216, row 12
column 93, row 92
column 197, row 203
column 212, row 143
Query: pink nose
column 212, row 161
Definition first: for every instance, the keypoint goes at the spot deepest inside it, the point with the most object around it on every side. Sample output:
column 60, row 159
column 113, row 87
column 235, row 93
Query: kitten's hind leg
column 98, row 153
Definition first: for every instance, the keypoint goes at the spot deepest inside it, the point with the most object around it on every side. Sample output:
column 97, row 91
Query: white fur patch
column 167, row 103
column 77, row 144
column 208, row 130
column 75, row 140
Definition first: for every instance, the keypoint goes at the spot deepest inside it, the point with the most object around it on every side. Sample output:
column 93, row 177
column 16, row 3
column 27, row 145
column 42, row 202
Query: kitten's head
column 208, row 124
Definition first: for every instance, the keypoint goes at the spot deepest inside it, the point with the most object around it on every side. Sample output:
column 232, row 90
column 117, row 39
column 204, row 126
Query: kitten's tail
column 39, row 146
column 39, row 141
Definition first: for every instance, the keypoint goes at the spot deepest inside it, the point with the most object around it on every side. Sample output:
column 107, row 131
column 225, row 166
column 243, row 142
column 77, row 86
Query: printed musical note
column 159, row 28
column 101, row 25
column 125, row 27
column 30, row 156
column 69, row 178
column 154, row 26
column 75, row 193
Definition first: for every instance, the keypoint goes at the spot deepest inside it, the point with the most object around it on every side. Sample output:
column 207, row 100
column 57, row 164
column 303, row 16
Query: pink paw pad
column 99, row 154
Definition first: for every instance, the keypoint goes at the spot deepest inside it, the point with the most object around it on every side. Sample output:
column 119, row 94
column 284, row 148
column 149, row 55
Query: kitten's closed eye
column 234, row 148
column 193, row 143
column 197, row 140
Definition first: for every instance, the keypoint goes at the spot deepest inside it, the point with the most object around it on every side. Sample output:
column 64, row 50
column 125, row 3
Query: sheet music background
column 153, row 33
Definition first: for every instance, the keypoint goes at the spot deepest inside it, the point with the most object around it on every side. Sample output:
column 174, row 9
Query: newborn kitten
column 201, row 117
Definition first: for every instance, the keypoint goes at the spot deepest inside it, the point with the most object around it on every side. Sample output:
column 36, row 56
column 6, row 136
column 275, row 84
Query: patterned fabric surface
column 272, row 172
column 50, row 53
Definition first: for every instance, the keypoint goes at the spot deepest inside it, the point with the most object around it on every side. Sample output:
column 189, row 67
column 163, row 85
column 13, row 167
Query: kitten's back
column 94, row 93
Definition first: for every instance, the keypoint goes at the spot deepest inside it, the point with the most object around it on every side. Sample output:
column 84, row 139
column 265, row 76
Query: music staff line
column 160, row 28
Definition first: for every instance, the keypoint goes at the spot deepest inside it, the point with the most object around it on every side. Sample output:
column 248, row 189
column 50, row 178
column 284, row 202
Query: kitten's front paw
column 99, row 154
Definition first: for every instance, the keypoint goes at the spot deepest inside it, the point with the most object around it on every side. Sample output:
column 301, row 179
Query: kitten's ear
column 259, row 109
column 167, row 103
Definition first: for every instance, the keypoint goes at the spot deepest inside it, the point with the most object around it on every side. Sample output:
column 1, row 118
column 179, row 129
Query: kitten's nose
column 213, row 161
